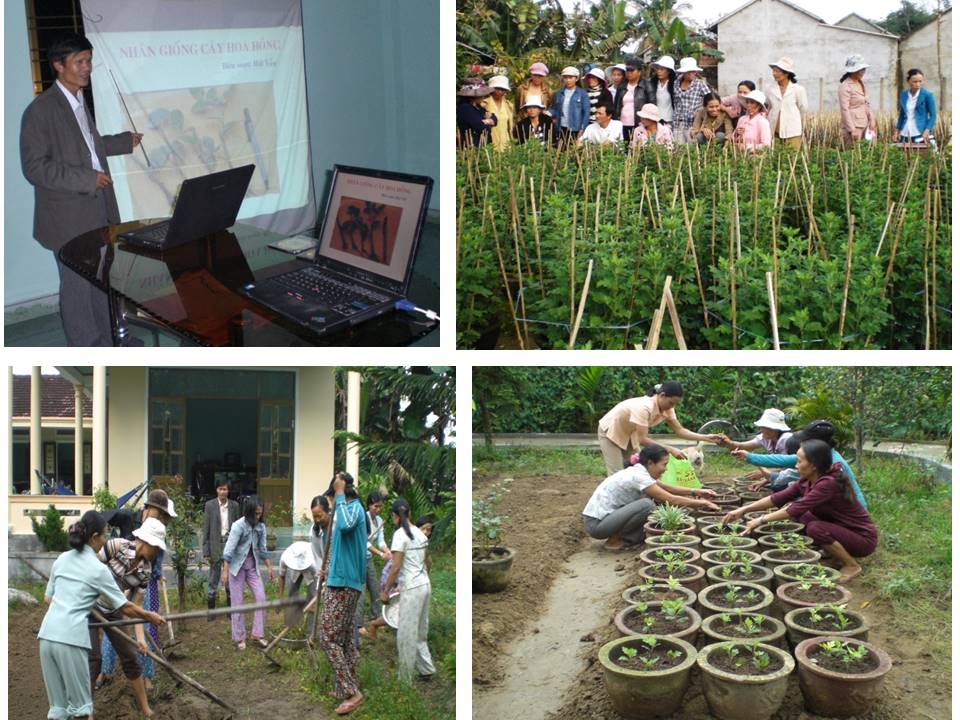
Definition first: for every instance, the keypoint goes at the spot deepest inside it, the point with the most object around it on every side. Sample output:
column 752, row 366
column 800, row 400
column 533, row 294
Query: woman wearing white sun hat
column 570, row 108
column 856, row 115
column 688, row 94
column 788, row 104
column 753, row 129
column 495, row 103
column 774, row 433
column 661, row 89
column 597, row 90
column 534, row 125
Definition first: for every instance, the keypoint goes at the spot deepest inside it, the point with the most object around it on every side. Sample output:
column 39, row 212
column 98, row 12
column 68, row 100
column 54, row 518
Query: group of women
column 674, row 105
column 116, row 571
column 811, row 482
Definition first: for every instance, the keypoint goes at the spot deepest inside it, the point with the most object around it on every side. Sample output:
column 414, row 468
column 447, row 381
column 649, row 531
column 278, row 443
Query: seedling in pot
column 669, row 517
column 629, row 653
column 673, row 583
column 847, row 653
column 674, row 609
column 841, row 621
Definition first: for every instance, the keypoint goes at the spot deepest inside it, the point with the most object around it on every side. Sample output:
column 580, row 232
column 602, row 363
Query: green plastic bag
column 680, row 473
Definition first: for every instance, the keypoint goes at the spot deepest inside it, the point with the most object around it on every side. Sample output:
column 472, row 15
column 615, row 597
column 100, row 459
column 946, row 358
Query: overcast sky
column 704, row 11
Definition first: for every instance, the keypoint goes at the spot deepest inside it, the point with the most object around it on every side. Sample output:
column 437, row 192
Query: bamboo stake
column 933, row 300
column 675, row 320
column 536, row 238
column 165, row 664
column 736, row 216
column 893, row 249
column 691, row 246
column 596, row 218
column 506, row 281
column 463, row 196
column 656, row 200
column 619, row 195
column 516, row 250
column 886, row 225
column 773, row 312
column 573, row 240
column 583, row 302
column 731, row 262
column 653, row 341
column 846, row 280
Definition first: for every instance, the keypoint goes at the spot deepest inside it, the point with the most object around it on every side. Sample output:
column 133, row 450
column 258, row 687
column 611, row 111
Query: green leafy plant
column 487, row 522
column 674, row 609
column 50, row 531
column 669, row 517
column 845, row 652
column 104, row 500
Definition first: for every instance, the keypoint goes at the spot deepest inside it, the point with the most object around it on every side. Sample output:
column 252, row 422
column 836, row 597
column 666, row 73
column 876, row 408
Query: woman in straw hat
column 473, row 121
column 788, row 104
column 533, row 125
column 536, row 84
column 856, row 115
column 495, row 104
column 688, row 94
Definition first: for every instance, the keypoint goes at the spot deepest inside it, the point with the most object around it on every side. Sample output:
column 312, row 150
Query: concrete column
column 10, row 425
column 36, row 439
column 353, row 423
column 78, row 439
column 99, row 427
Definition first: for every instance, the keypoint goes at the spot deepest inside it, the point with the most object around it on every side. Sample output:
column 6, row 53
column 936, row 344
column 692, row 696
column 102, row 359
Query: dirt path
column 540, row 661
column 244, row 680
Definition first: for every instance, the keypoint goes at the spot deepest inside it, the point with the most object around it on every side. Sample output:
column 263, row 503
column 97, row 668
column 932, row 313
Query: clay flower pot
column 710, row 558
column 649, row 529
column 735, row 572
column 686, row 630
column 787, row 596
column 792, row 572
column 728, row 501
column 728, row 541
column 732, row 696
column 655, row 592
column 749, row 496
column 712, row 599
column 714, row 628
column 773, row 558
column 840, row 694
column 708, row 519
column 658, row 573
column 493, row 574
column 754, row 514
column 718, row 530
column 659, row 554
column 671, row 539
column 779, row 526
column 769, row 542
column 797, row 631
column 641, row 694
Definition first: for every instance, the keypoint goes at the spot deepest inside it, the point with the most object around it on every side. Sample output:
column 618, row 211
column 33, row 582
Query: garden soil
column 552, row 548
column 206, row 654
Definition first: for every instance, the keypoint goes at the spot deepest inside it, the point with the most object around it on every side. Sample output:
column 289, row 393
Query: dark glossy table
column 191, row 291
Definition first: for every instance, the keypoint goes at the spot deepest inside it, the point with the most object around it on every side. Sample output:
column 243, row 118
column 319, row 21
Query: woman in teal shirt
column 817, row 430
column 78, row 578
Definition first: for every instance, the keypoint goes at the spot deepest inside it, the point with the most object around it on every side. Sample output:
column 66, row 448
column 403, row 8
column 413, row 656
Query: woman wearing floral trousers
column 345, row 573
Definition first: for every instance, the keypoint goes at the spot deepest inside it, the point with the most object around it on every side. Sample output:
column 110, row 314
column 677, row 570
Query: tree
column 181, row 536
column 666, row 31
column 909, row 17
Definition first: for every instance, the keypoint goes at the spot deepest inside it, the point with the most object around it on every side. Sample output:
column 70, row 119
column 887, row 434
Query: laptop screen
column 373, row 221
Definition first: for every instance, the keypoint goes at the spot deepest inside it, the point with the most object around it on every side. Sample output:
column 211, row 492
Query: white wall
column 919, row 50
column 768, row 29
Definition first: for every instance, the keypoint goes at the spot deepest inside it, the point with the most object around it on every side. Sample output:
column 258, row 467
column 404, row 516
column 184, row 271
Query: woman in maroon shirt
column 823, row 501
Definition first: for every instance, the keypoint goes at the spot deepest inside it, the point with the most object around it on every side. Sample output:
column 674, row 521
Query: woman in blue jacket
column 570, row 107
column 918, row 111
column 345, row 573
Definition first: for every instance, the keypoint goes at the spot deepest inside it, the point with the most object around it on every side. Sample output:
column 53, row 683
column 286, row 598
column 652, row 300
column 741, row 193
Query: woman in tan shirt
column 626, row 427
column 856, row 115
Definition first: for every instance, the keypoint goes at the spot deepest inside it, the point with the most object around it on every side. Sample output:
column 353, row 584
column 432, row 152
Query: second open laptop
column 205, row 205
column 365, row 252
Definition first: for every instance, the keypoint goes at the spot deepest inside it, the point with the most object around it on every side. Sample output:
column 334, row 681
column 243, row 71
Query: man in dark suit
column 65, row 159
column 218, row 515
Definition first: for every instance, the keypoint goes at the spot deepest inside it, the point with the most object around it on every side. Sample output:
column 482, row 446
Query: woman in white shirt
column 618, row 508
column 626, row 427
column 788, row 104
column 410, row 566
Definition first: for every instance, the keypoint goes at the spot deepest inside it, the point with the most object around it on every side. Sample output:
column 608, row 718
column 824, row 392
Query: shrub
column 50, row 531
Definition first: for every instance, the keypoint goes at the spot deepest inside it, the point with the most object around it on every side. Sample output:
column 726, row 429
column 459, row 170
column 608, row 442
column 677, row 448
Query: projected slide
column 211, row 86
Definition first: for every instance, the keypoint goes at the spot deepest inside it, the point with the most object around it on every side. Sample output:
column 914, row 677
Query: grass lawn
column 910, row 573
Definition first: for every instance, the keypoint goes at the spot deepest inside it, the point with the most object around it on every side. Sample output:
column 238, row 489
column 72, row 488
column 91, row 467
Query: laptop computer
column 365, row 251
column 205, row 205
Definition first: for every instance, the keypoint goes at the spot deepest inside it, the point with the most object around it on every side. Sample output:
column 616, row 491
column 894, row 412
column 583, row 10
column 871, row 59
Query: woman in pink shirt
column 651, row 131
column 753, row 129
column 731, row 104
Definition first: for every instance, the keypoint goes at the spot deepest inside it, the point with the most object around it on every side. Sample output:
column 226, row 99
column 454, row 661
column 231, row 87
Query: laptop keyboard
column 313, row 284
column 154, row 234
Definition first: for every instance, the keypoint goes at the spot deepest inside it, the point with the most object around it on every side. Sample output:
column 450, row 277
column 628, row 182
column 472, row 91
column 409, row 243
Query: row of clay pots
column 639, row 694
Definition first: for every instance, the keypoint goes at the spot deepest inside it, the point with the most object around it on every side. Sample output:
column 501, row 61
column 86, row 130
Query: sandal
column 261, row 642
column 242, row 645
